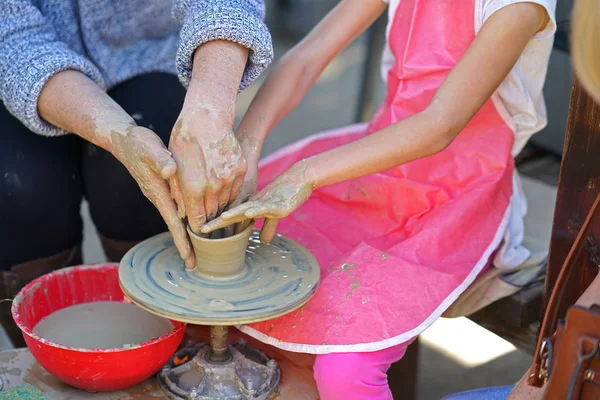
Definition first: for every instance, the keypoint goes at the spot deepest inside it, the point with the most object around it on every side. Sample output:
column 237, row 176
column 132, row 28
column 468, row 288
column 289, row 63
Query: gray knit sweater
column 114, row 40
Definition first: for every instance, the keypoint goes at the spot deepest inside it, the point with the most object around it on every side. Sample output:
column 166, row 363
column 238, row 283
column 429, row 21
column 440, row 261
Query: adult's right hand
column 210, row 163
column 147, row 159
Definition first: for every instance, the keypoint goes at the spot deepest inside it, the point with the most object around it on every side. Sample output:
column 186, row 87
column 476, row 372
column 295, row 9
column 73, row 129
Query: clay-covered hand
column 249, row 188
column 277, row 200
column 251, row 153
column 210, row 165
column 147, row 159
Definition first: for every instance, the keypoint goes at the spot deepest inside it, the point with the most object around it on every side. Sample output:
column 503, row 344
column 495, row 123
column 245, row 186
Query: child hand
column 277, row 200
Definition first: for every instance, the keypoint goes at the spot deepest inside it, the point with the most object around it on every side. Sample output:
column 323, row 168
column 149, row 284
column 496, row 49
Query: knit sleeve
column 240, row 21
column 30, row 54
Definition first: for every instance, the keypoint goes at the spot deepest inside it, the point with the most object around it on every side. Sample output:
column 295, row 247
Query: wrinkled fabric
column 397, row 248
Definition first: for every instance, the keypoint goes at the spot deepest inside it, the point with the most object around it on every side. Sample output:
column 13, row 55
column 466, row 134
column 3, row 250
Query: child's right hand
column 277, row 200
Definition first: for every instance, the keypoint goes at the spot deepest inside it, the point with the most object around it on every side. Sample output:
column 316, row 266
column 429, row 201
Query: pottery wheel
column 246, row 374
column 279, row 277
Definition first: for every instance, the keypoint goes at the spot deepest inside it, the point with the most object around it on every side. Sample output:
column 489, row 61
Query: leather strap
column 551, row 316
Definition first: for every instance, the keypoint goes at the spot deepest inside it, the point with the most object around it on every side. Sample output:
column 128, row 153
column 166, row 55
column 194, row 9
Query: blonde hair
column 585, row 46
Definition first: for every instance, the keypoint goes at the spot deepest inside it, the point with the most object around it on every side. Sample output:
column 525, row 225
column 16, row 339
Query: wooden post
column 578, row 186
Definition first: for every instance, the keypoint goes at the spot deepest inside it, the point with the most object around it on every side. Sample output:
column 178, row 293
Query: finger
column 219, row 223
column 196, row 214
column 211, row 202
column 177, row 196
column 267, row 233
column 191, row 178
column 224, row 198
column 265, row 211
column 159, row 158
column 236, row 189
column 239, row 211
column 160, row 196
column 235, row 215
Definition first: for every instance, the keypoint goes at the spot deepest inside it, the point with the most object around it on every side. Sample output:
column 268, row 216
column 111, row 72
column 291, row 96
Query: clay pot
column 221, row 258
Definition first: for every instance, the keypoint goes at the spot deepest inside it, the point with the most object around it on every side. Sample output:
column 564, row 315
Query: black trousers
column 43, row 180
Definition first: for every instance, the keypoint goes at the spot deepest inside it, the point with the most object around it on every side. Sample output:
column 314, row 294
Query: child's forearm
column 301, row 67
column 281, row 93
column 419, row 136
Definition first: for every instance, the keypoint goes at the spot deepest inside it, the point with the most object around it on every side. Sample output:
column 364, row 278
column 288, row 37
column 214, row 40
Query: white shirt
column 519, row 100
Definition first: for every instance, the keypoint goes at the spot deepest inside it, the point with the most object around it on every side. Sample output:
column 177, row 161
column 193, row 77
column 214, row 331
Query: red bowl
column 94, row 370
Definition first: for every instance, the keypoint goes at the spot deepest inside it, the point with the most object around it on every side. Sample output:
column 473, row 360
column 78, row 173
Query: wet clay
column 277, row 278
column 223, row 257
column 102, row 325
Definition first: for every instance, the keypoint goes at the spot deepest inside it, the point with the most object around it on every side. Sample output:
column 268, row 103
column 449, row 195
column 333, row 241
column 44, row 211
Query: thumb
column 166, row 166
column 161, row 161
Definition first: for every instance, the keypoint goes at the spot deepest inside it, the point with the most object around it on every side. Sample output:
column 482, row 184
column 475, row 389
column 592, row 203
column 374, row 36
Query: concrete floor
column 456, row 354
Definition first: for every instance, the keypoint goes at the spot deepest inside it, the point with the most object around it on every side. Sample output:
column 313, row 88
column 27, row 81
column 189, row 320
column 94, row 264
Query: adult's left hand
column 277, row 200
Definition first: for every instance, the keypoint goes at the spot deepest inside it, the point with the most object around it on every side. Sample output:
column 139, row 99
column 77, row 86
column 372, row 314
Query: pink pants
column 356, row 376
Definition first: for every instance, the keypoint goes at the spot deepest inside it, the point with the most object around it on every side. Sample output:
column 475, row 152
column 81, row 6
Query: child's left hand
column 277, row 200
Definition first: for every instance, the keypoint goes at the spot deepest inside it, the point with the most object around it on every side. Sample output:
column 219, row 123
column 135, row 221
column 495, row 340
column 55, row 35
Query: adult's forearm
column 216, row 76
column 71, row 101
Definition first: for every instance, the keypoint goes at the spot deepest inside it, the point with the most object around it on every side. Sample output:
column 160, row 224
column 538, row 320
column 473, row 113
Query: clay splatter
column 8, row 356
column 354, row 285
column 347, row 268
column 12, row 371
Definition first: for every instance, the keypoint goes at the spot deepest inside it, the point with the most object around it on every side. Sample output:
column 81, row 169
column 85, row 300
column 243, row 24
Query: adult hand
column 251, row 153
column 277, row 200
column 71, row 101
column 146, row 158
column 211, row 166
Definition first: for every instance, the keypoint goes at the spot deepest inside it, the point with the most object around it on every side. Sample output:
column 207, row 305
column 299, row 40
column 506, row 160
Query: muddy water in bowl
column 102, row 325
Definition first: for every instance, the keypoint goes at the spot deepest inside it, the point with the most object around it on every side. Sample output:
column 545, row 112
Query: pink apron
column 397, row 248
